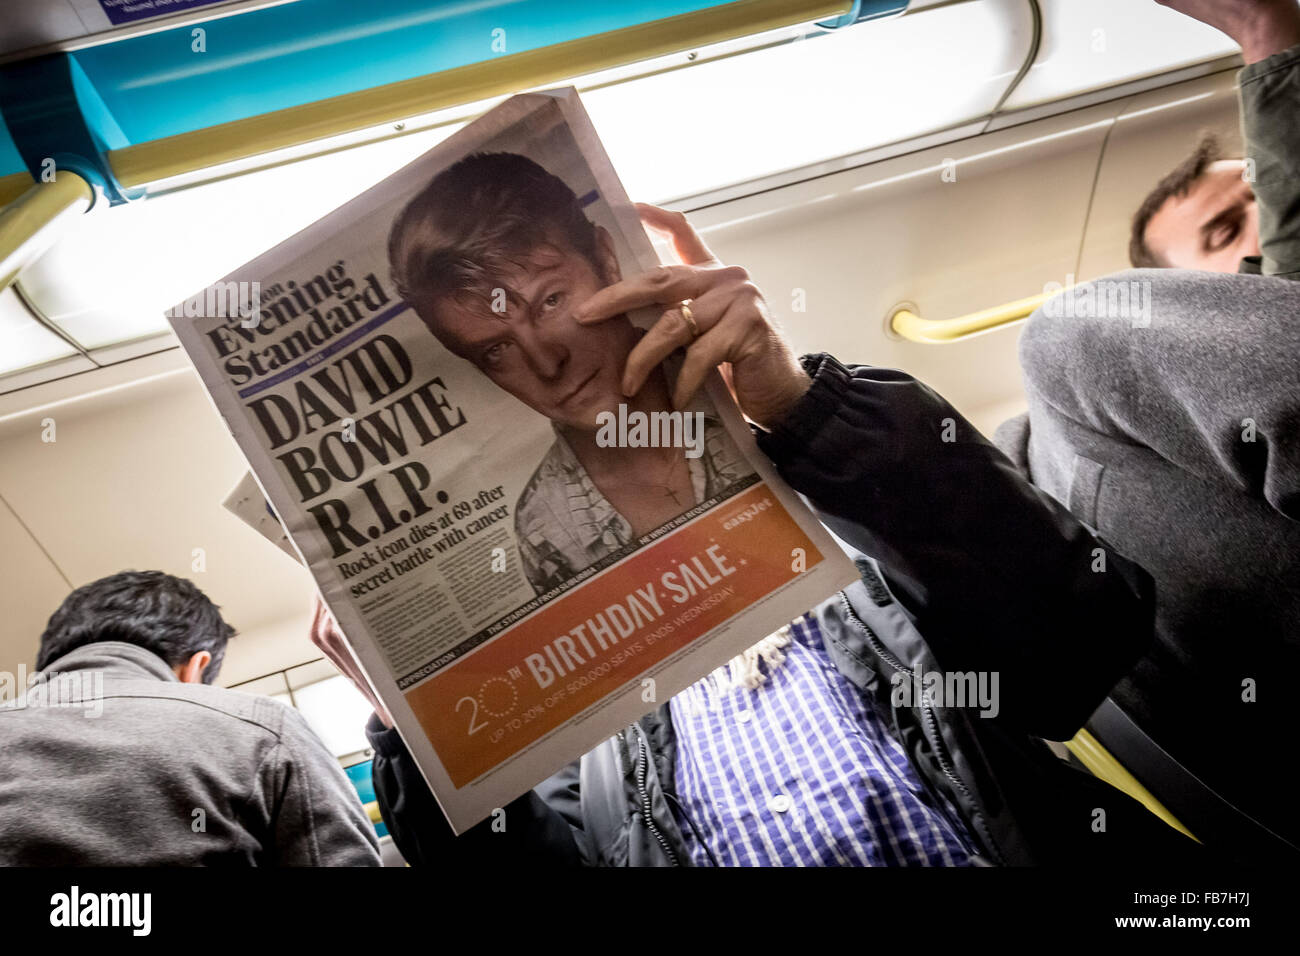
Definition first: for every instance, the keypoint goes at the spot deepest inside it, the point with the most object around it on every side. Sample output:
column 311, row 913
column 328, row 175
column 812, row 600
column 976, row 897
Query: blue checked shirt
column 801, row 772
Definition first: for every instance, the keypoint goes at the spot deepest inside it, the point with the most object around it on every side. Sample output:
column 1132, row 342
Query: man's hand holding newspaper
column 725, row 322
column 326, row 635
column 730, row 326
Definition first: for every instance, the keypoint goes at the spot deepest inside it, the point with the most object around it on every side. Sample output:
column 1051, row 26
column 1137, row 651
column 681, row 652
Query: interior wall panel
column 995, row 224
column 32, row 588
column 135, row 479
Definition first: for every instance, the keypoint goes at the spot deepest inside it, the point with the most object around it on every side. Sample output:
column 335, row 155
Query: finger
column 664, row 285
column 663, row 338
column 709, row 351
column 319, row 622
column 330, row 628
column 688, row 245
column 670, row 333
column 326, row 635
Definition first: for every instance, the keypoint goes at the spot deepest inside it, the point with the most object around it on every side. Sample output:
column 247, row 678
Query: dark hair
column 1176, row 183
column 161, row 613
column 476, row 219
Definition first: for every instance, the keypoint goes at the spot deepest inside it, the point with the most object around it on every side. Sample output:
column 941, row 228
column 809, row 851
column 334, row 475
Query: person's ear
column 191, row 672
column 605, row 257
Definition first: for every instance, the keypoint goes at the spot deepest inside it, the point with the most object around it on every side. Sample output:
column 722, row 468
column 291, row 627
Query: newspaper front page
column 523, row 559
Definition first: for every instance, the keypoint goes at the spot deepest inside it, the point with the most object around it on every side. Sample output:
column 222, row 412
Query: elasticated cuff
column 799, row 429
column 1285, row 60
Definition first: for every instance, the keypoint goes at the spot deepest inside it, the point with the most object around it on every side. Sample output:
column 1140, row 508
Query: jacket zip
column 642, row 770
column 931, row 722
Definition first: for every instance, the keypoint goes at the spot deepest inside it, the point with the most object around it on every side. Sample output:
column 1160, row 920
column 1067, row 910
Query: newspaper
column 523, row 559
column 246, row 502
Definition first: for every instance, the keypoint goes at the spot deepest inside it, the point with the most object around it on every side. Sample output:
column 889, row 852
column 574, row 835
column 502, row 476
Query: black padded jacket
column 952, row 543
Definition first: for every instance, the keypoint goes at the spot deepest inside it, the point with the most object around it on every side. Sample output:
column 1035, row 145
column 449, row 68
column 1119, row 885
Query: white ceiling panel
column 1091, row 44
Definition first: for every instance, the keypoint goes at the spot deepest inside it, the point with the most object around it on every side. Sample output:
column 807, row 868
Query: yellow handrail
column 13, row 186
column 30, row 224
column 1101, row 763
column 912, row 327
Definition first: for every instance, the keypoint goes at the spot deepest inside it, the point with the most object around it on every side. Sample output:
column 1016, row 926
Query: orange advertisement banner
column 489, row 705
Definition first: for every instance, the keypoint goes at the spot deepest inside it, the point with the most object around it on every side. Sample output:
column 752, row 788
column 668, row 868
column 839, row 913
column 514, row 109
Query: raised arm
column 1268, row 32
column 997, row 575
column 529, row 831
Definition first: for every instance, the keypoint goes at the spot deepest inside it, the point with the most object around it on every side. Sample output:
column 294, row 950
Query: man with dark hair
column 1202, row 215
column 163, row 614
column 120, row 754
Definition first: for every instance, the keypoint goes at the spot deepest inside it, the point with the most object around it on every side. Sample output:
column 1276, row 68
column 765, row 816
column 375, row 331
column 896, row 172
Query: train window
column 336, row 710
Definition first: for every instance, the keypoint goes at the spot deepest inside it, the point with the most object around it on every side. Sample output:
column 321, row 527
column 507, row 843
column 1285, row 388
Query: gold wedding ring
column 690, row 320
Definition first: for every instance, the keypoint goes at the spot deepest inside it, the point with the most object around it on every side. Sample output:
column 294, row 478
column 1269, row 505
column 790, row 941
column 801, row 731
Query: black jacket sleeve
column 997, row 575
column 541, row 828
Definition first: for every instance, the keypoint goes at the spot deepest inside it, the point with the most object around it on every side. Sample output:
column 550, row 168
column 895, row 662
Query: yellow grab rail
column 13, row 186
column 1101, row 763
column 30, row 224
column 907, row 324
